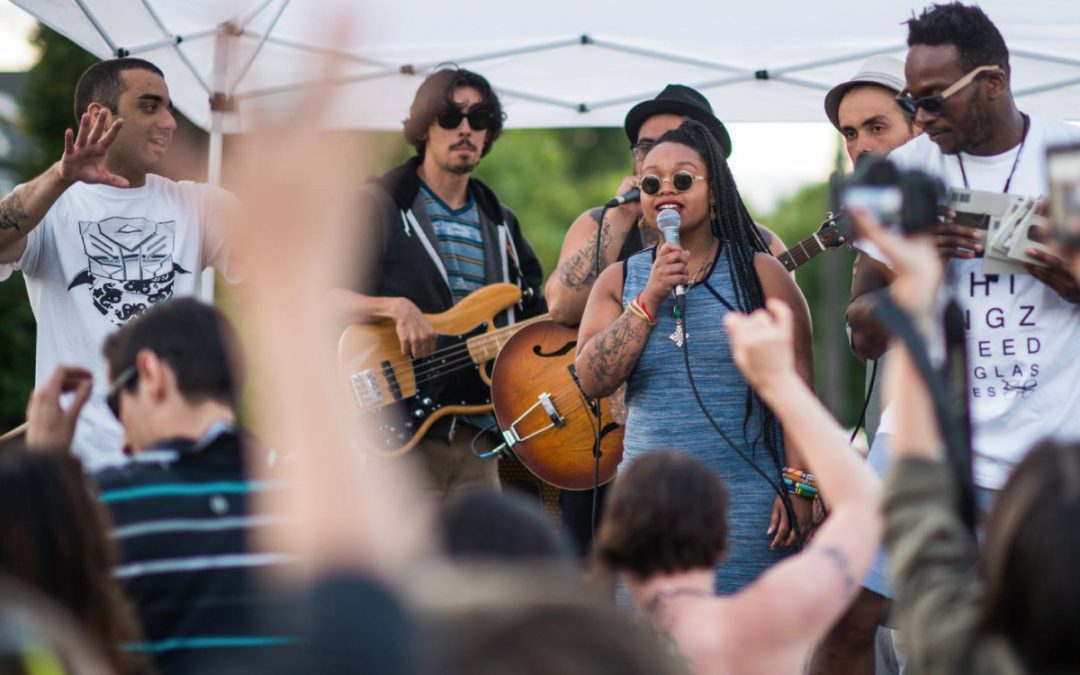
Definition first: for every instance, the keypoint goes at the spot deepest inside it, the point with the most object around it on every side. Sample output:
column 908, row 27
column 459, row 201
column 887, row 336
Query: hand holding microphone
column 670, row 271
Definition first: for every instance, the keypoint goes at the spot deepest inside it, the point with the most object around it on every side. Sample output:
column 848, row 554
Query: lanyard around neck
column 1016, row 162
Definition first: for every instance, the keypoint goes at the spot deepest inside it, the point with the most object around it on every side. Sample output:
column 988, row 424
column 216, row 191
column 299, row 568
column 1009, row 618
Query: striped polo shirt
column 181, row 523
column 461, row 243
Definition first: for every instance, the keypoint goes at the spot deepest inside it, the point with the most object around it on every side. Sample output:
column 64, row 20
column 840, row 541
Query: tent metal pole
column 217, row 136
column 97, row 26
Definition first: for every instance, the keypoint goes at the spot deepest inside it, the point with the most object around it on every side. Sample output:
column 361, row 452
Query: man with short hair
column 1022, row 328
column 181, row 508
column 99, row 237
column 622, row 234
column 438, row 234
column 864, row 109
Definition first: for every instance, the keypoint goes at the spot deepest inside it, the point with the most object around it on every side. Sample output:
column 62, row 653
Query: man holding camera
column 1020, row 327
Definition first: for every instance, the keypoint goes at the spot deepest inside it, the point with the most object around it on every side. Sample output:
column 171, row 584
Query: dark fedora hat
column 678, row 99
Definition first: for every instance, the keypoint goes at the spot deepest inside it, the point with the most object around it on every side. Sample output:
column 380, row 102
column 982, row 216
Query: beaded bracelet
column 801, row 489
column 800, row 476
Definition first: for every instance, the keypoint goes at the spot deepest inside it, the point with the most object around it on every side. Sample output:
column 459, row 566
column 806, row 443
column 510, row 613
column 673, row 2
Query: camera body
column 909, row 200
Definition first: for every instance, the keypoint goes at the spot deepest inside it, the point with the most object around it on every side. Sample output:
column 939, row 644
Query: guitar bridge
column 365, row 387
column 512, row 437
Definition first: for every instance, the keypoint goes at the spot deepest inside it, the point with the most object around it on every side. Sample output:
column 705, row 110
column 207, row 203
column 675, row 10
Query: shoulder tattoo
column 579, row 271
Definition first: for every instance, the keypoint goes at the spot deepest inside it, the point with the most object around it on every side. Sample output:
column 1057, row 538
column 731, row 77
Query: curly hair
column 667, row 513
column 436, row 94
column 977, row 40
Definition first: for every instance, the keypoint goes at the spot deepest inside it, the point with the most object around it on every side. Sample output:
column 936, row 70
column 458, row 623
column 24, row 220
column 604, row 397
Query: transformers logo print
column 130, row 265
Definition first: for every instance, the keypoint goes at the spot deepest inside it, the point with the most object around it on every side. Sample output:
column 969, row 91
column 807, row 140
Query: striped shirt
column 181, row 523
column 461, row 242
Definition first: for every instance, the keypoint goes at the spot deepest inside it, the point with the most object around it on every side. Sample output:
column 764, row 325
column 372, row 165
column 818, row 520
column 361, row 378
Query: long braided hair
column 740, row 240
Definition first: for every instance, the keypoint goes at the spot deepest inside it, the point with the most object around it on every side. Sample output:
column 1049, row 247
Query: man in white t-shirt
column 1022, row 328
column 99, row 238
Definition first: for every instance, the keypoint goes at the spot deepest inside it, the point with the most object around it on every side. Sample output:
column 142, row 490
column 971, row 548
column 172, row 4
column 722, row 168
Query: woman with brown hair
column 53, row 537
column 667, row 519
column 1013, row 608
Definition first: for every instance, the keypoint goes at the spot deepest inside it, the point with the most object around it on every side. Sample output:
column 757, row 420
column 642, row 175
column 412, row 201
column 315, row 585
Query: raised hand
column 51, row 426
column 914, row 259
column 84, row 153
column 763, row 344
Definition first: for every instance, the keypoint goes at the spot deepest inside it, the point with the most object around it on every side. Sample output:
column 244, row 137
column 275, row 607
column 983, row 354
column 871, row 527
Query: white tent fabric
column 554, row 63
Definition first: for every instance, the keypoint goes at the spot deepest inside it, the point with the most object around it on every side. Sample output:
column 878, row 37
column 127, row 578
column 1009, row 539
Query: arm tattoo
column 12, row 212
column 578, row 272
column 839, row 560
column 613, row 355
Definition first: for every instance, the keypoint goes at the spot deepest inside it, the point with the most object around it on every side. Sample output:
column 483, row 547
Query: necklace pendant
column 678, row 336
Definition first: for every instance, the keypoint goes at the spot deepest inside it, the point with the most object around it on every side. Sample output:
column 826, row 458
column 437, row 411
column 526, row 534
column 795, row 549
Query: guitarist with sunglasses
column 434, row 234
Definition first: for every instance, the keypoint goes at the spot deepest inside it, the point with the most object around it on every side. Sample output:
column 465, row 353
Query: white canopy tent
column 558, row 63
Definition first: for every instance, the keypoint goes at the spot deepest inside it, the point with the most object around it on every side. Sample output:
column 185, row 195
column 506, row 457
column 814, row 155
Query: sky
column 770, row 161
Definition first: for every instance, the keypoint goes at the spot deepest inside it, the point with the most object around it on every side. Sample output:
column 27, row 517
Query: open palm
column 84, row 154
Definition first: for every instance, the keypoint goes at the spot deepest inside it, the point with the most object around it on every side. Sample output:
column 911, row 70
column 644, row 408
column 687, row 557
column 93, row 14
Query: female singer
column 633, row 331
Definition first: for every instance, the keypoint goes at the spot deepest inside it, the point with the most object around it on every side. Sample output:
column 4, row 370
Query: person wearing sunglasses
column 434, row 234
column 1022, row 328
column 633, row 331
column 180, row 509
column 623, row 233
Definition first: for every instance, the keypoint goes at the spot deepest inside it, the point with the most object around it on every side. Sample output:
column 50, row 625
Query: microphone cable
column 782, row 493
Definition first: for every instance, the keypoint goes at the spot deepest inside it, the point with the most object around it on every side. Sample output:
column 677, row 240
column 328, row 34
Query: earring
column 712, row 211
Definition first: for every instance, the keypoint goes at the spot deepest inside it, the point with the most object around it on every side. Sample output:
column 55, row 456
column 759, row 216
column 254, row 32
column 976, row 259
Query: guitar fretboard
column 800, row 253
column 486, row 347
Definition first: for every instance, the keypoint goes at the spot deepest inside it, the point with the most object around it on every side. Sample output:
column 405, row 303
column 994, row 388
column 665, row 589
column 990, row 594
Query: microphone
column 628, row 196
column 669, row 221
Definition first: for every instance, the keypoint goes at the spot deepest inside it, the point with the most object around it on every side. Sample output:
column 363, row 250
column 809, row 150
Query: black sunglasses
column 124, row 379
column 682, row 180
column 935, row 105
column 480, row 119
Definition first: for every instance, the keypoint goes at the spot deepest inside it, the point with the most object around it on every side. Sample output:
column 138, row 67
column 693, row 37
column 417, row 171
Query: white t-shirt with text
column 1022, row 336
column 99, row 257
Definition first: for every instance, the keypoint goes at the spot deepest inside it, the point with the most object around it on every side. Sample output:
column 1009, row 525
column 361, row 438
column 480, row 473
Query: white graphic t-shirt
column 1022, row 336
column 99, row 257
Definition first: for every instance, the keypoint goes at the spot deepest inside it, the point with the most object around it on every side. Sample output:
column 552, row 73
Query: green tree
column 825, row 281
column 46, row 111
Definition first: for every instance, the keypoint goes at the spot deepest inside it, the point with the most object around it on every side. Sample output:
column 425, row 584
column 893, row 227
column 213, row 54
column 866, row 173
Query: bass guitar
column 547, row 420
column 399, row 398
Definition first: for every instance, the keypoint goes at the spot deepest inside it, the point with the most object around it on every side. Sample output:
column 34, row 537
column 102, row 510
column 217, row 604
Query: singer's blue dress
column 663, row 413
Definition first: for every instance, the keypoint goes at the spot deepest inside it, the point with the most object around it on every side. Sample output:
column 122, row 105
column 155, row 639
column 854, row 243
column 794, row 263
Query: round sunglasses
column 479, row 119
column 681, row 181
column 935, row 105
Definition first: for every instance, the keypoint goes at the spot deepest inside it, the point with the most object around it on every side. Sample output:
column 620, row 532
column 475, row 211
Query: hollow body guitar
column 549, row 423
column 397, row 399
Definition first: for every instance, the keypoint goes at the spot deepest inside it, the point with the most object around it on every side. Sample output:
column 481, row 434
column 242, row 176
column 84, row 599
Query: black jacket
column 408, row 261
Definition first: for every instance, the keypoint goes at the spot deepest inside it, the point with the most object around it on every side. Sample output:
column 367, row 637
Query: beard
column 978, row 124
